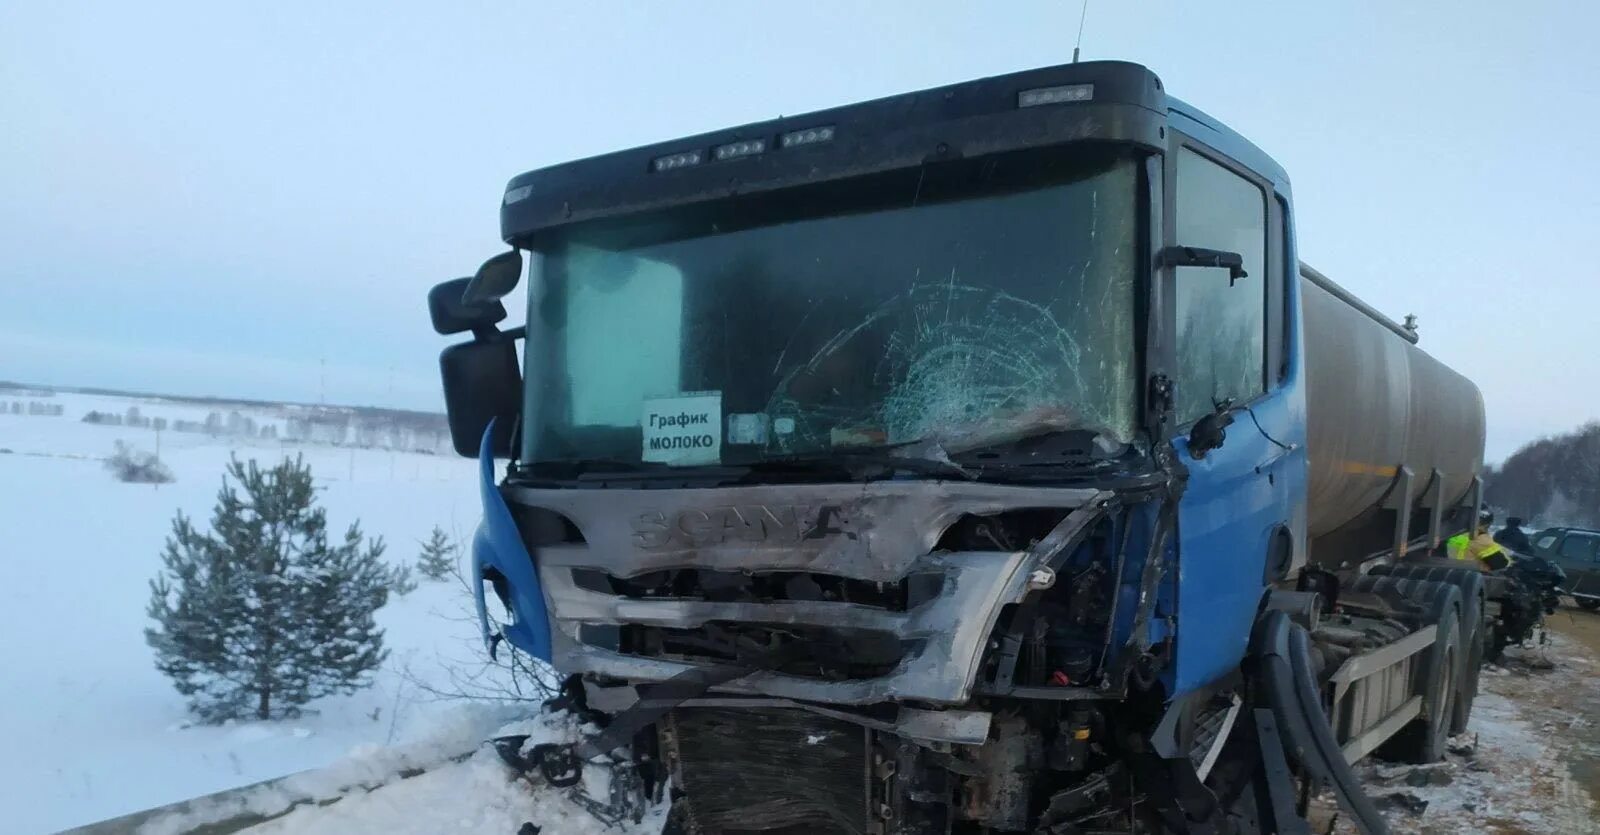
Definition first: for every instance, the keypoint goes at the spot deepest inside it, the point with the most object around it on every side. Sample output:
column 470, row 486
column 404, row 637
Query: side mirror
column 1194, row 256
column 1210, row 431
column 495, row 279
column 482, row 382
column 452, row 313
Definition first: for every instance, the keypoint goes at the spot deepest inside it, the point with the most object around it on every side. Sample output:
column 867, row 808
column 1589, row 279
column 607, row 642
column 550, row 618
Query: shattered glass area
column 959, row 361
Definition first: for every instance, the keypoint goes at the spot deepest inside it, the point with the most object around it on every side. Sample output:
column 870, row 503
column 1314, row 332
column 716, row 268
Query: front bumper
column 879, row 532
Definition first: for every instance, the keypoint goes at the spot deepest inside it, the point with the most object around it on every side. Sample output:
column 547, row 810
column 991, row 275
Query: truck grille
column 773, row 772
column 830, row 654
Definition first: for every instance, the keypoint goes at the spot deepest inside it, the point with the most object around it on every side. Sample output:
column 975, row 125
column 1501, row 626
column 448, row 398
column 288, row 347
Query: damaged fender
column 498, row 546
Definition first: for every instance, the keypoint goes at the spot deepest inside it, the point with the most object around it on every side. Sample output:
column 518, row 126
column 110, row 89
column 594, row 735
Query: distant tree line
column 1552, row 481
column 338, row 426
column 34, row 408
column 370, row 429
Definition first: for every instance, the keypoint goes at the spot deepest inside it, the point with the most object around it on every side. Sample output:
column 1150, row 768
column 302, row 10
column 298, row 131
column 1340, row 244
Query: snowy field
column 90, row 730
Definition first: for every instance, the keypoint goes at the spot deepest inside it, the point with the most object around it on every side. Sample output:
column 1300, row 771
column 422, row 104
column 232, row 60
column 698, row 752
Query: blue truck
column 979, row 459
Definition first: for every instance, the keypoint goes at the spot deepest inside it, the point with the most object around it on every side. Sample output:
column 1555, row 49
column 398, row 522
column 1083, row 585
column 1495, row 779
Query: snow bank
column 370, row 767
column 478, row 795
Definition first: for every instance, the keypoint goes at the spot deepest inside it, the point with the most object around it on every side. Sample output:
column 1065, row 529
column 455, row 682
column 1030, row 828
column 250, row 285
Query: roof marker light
column 745, row 148
column 672, row 161
column 1055, row 95
column 518, row 194
column 806, row 136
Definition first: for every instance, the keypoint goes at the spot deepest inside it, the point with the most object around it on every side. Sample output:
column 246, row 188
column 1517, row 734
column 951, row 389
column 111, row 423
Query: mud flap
column 1279, row 811
column 1183, row 803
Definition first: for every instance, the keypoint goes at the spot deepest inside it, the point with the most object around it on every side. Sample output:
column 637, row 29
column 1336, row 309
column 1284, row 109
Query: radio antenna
column 1082, row 13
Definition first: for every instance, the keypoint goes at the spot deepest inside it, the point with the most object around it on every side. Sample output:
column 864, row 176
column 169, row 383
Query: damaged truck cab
column 940, row 463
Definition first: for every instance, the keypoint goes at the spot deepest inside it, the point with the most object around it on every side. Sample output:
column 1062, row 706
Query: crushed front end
column 891, row 656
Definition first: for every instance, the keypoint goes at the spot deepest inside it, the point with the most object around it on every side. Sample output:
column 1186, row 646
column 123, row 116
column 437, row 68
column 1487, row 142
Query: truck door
column 1227, row 349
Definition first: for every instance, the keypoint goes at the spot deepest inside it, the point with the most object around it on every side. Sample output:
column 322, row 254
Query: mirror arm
column 490, row 333
column 1195, row 256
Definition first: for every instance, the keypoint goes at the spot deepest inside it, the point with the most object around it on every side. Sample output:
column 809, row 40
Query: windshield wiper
column 890, row 458
column 587, row 465
column 1068, row 448
column 614, row 469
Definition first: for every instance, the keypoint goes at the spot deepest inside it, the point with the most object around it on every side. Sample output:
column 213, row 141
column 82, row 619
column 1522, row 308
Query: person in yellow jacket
column 1482, row 551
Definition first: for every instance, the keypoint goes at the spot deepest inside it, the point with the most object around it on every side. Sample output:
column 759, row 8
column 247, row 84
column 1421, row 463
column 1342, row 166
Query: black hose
column 1284, row 655
column 1360, row 807
column 1277, row 676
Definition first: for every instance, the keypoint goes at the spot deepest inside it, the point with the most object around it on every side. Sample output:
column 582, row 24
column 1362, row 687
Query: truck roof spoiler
column 1349, row 298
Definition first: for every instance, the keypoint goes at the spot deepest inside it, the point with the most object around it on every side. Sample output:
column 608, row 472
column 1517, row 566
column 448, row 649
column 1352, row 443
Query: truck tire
column 1475, row 629
column 1439, row 683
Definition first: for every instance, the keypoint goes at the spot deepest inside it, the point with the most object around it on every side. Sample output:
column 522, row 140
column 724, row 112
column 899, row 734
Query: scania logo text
column 739, row 524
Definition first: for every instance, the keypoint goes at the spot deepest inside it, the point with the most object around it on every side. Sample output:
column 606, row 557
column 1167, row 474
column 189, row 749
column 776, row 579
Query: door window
column 1578, row 546
column 1221, row 324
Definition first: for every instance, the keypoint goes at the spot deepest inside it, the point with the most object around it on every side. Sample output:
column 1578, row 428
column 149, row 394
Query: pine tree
column 263, row 613
column 399, row 580
column 438, row 558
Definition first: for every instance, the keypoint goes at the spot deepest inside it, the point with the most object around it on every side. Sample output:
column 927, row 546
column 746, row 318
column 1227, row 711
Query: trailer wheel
column 1424, row 739
column 1588, row 604
column 1476, row 631
column 1474, row 608
column 1496, row 646
column 1475, row 627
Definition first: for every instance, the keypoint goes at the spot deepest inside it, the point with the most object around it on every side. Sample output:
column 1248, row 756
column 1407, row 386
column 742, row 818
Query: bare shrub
column 136, row 466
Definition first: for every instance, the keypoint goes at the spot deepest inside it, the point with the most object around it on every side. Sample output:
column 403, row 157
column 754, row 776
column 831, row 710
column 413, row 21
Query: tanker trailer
column 1395, row 445
column 1394, row 437
column 972, row 460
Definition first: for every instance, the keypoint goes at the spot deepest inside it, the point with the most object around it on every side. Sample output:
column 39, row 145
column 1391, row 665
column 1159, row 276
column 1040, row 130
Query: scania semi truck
column 980, row 459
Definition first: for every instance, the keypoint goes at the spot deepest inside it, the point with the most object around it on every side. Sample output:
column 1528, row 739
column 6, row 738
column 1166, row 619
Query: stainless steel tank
column 1375, row 402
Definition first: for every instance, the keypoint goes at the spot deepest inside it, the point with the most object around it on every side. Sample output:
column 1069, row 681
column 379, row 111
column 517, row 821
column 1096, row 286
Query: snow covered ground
column 88, row 728
column 1518, row 768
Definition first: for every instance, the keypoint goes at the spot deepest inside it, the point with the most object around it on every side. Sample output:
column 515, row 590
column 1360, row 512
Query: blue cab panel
column 498, row 546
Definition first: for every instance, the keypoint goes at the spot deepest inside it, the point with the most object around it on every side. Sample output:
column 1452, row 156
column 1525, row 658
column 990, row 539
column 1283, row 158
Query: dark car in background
column 1577, row 552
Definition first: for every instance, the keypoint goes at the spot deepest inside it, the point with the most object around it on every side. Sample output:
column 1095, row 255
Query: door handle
column 1276, row 457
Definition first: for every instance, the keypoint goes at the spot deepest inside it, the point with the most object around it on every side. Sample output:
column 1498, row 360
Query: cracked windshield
column 947, row 304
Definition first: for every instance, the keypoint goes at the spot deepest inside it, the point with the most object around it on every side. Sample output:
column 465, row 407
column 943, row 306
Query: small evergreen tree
column 399, row 580
column 438, row 558
column 263, row 613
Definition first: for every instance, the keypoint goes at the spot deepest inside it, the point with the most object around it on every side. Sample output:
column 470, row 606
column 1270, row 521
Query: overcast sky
column 211, row 198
